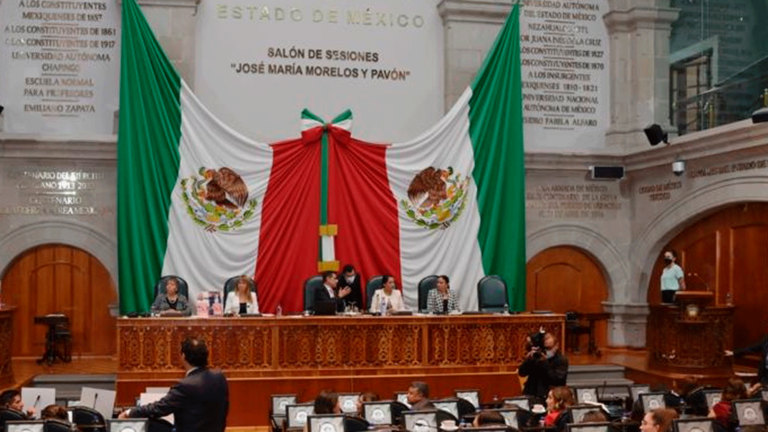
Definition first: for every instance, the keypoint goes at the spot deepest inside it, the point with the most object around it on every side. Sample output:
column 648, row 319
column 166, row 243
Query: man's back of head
column 195, row 352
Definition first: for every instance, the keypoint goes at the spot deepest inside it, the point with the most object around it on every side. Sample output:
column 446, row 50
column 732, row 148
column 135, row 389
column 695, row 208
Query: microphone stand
column 700, row 279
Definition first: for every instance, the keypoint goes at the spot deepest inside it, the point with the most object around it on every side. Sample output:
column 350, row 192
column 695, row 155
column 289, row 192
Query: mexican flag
column 200, row 201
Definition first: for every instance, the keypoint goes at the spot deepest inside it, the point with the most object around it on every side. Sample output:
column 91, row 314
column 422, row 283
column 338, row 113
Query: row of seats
column 518, row 412
column 288, row 415
column 82, row 418
column 492, row 293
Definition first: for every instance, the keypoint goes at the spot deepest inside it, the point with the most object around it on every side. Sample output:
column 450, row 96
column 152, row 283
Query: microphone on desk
column 95, row 397
column 701, row 279
column 601, row 390
column 37, row 400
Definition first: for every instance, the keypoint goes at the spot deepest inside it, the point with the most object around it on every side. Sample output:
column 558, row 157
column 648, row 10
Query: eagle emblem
column 217, row 200
column 436, row 197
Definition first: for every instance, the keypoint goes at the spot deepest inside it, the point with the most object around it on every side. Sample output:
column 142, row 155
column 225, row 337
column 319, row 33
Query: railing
column 732, row 99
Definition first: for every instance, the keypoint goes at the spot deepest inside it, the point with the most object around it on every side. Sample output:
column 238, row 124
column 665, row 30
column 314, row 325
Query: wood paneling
column 61, row 279
column 304, row 355
column 694, row 345
column 727, row 250
column 6, row 340
column 249, row 397
column 565, row 278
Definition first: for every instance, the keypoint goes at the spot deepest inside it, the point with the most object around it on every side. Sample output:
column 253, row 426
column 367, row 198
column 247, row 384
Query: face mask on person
column 349, row 279
column 551, row 353
column 667, row 260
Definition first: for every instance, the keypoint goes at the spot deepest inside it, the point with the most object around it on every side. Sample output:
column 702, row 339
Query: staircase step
column 69, row 387
column 596, row 372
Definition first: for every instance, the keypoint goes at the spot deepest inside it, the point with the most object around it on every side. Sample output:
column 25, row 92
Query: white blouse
column 233, row 304
column 394, row 301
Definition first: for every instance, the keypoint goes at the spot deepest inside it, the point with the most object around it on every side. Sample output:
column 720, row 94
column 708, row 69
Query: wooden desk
column 592, row 318
column 303, row 355
column 6, row 341
column 690, row 346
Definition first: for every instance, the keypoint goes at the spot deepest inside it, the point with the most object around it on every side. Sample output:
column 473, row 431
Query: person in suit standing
column 199, row 402
column 327, row 292
column 350, row 278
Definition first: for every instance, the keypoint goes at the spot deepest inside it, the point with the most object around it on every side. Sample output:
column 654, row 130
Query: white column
column 639, row 31
column 471, row 26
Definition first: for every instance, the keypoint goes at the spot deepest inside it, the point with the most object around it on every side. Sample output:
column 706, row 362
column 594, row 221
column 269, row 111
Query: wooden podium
column 692, row 335
column 691, row 304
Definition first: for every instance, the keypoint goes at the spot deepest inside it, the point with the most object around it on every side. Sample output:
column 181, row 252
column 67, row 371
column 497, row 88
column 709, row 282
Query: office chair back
column 425, row 286
column 371, row 286
column 160, row 285
column 492, row 294
column 309, row 291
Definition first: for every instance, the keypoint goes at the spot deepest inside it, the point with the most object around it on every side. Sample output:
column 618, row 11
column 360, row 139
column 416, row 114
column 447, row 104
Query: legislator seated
column 171, row 297
column 442, row 299
column 387, row 299
column 240, row 296
column 327, row 291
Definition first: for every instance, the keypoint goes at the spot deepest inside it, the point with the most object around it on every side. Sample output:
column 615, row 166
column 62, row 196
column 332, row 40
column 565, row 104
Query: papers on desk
column 148, row 398
column 101, row 400
column 37, row 398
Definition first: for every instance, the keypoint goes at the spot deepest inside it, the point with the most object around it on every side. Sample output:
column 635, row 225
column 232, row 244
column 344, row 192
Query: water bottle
column 279, row 311
column 383, row 305
column 506, row 309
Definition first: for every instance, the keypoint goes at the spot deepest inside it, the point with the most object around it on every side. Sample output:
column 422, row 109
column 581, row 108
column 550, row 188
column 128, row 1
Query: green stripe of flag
column 148, row 158
column 496, row 131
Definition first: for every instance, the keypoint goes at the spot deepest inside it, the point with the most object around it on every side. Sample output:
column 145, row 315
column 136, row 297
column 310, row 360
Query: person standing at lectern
column 350, row 278
column 672, row 277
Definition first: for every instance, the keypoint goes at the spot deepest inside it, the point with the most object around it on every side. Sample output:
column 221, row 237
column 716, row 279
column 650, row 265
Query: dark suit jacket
column 357, row 292
column 762, row 348
column 423, row 405
column 321, row 294
column 199, row 403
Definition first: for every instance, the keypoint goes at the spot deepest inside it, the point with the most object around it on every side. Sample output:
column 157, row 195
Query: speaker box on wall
column 607, row 172
column 760, row 116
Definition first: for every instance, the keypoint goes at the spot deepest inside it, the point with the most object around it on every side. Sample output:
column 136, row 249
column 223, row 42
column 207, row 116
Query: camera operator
column 544, row 365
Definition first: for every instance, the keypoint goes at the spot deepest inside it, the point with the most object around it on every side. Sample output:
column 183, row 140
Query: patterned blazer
column 435, row 301
column 161, row 304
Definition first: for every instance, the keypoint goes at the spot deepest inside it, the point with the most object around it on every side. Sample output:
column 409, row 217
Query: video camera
column 537, row 339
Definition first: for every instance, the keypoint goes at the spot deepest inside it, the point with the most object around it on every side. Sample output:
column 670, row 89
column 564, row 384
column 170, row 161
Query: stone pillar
column 626, row 327
column 173, row 22
column 471, row 26
column 639, row 32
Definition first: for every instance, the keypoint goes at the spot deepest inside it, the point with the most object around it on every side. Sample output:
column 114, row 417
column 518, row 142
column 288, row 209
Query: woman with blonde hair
column 242, row 300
